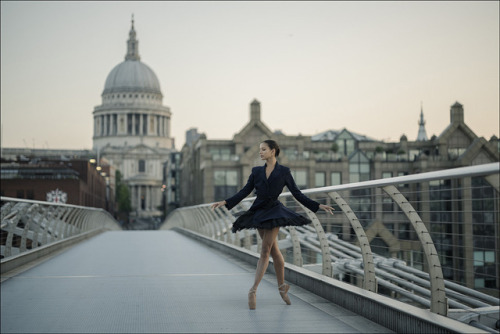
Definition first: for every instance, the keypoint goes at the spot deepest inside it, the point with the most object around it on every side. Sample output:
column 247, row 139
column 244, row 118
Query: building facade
column 212, row 170
column 75, row 182
column 132, row 130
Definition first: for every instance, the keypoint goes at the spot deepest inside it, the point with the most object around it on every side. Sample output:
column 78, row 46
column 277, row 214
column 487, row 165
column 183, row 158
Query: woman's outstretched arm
column 303, row 199
column 238, row 197
column 217, row 205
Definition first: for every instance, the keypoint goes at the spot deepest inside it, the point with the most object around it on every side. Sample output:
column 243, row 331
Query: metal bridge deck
column 159, row 281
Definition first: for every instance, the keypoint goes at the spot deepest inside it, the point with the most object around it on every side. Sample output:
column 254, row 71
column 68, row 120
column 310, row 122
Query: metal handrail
column 469, row 171
column 29, row 224
column 209, row 226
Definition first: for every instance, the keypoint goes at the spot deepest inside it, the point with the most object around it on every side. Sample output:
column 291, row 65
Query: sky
column 368, row 67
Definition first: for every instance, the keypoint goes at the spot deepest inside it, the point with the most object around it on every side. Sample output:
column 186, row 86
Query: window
column 336, row 178
column 137, row 123
column 483, row 257
column 360, row 202
column 345, row 143
column 30, row 194
column 403, row 184
column 414, row 154
column 108, row 123
column 225, row 183
column 300, row 177
column 20, row 194
column 144, row 124
column 220, row 153
column 129, row 124
column 142, row 166
column 387, row 204
column 319, row 179
column 359, row 168
column 115, row 126
column 290, row 152
column 404, row 231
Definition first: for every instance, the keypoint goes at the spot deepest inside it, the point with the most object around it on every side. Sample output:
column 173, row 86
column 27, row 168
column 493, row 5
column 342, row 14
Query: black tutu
column 273, row 215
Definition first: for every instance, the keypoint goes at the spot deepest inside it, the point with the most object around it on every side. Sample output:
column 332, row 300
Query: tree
column 122, row 195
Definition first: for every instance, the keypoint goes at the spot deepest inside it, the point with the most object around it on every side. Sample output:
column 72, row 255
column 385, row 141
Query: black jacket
column 268, row 190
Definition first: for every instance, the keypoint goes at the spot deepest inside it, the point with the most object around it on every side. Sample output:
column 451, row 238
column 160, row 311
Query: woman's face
column 266, row 152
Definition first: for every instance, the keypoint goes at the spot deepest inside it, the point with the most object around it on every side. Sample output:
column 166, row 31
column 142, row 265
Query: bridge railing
column 428, row 239
column 27, row 225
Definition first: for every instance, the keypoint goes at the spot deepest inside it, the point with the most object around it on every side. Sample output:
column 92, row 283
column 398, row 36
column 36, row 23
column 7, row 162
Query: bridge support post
column 323, row 241
column 439, row 302
column 370, row 280
column 297, row 251
column 213, row 219
column 228, row 220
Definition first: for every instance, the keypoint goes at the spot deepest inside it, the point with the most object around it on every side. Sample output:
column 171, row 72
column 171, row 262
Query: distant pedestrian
column 267, row 214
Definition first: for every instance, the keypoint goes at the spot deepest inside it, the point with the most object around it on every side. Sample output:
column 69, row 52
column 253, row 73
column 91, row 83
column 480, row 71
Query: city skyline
column 366, row 67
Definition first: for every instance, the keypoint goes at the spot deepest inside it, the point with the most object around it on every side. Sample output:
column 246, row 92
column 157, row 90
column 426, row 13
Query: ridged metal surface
column 159, row 281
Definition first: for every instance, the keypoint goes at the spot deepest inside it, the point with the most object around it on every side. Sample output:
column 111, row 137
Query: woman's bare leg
column 268, row 239
column 278, row 260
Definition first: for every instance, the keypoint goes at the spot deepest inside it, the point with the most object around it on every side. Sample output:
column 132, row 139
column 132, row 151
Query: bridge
column 396, row 257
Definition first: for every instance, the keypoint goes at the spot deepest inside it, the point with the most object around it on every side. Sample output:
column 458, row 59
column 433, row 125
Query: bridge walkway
column 159, row 282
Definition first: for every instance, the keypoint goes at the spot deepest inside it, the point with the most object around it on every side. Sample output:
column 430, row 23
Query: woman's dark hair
column 273, row 146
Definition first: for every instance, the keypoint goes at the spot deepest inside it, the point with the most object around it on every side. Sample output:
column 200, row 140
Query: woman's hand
column 327, row 208
column 217, row 205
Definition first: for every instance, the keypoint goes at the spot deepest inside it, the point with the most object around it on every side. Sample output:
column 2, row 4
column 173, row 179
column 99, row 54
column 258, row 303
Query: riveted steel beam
column 211, row 217
column 439, row 302
column 297, row 251
column 369, row 280
column 228, row 219
column 59, row 223
column 27, row 225
column 185, row 222
column 323, row 241
column 216, row 230
column 203, row 228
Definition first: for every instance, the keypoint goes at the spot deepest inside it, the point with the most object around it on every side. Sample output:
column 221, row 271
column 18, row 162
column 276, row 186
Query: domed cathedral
column 132, row 129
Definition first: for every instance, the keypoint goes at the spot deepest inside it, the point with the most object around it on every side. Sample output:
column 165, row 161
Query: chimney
column 457, row 113
column 255, row 110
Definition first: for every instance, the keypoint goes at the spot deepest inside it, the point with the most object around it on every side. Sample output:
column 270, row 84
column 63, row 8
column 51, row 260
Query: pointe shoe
column 252, row 299
column 283, row 289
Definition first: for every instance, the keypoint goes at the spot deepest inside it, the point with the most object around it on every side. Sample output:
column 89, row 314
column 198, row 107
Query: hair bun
column 273, row 145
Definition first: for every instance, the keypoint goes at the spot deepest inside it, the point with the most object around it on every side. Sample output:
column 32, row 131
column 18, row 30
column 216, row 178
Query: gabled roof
column 452, row 128
column 331, row 135
column 254, row 124
column 142, row 149
column 478, row 146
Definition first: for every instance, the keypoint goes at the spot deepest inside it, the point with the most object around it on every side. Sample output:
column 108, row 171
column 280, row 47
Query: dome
column 132, row 76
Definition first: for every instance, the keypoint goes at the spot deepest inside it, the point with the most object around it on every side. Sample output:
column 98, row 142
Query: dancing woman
column 267, row 214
